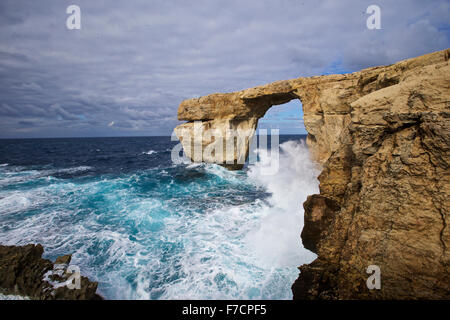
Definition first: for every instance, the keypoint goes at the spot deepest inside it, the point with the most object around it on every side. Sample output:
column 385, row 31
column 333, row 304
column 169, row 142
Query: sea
column 145, row 227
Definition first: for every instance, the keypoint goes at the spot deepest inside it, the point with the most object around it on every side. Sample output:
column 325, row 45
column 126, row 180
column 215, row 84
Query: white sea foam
column 71, row 170
column 64, row 170
column 150, row 152
column 117, row 232
column 58, row 270
column 277, row 239
column 13, row 297
column 15, row 177
column 12, row 177
column 222, row 172
column 14, row 202
column 192, row 165
column 249, row 251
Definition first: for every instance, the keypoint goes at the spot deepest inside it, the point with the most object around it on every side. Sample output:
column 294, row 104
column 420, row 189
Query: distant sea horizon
column 146, row 228
column 138, row 136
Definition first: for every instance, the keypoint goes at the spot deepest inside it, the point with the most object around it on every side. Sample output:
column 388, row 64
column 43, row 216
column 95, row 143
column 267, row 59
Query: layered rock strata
column 382, row 136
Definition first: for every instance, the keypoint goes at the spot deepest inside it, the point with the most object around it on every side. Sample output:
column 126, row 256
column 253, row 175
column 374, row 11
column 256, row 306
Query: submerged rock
column 24, row 272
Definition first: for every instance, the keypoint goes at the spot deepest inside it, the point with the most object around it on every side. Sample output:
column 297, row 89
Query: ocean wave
column 15, row 176
column 19, row 175
column 71, row 170
column 14, row 202
column 187, row 231
column 277, row 237
column 262, row 238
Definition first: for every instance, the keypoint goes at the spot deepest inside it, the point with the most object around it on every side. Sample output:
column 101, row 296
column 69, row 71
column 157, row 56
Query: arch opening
column 286, row 117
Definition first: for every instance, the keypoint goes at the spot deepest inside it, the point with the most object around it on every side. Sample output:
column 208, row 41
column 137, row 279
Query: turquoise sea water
column 145, row 228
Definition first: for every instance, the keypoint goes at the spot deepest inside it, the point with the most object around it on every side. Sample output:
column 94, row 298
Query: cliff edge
column 382, row 136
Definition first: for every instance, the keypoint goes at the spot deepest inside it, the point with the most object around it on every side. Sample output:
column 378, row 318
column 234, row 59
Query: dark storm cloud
column 26, row 123
column 130, row 65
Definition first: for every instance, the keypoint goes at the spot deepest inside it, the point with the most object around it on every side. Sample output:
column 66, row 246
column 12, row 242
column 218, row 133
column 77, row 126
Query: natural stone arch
column 381, row 135
column 326, row 102
column 230, row 114
column 240, row 111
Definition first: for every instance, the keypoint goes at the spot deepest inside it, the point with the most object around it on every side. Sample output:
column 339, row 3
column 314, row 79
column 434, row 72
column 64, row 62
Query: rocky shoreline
column 25, row 273
column 382, row 137
column 384, row 188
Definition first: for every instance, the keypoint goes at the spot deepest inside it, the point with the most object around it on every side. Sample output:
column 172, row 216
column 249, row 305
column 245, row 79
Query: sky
column 127, row 69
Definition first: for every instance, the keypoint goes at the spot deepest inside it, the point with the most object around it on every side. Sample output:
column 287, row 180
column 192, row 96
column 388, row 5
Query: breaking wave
column 187, row 231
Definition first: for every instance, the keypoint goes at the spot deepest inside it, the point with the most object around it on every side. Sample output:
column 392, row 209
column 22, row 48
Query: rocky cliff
column 382, row 136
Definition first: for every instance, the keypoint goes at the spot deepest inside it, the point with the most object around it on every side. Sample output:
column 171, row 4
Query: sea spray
column 146, row 228
column 250, row 251
column 277, row 238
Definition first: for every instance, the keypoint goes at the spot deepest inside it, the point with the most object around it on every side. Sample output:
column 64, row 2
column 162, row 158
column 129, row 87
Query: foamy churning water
column 171, row 232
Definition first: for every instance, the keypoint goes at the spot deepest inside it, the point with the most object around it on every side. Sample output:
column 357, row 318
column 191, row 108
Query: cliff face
column 382, row 136
column 384, row 193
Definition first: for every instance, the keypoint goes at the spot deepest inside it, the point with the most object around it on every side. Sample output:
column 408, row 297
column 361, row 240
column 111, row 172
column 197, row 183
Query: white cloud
column 132, row 63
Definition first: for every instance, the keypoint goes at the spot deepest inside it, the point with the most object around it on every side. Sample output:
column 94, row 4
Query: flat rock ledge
column 24, row 272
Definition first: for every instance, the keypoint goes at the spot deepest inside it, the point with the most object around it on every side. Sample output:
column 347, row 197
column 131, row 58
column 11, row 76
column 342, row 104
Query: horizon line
column 103, row 137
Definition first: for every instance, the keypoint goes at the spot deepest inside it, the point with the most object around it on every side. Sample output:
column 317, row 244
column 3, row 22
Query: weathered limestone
column 390, row 178
column 382, row 136
column 326, row 103
column 208, row 141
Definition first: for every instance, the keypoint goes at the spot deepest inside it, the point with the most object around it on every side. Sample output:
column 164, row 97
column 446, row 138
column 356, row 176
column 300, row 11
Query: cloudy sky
column 131, row 64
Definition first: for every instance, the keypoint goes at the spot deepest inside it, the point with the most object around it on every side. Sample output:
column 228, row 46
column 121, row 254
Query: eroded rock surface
column 382, row 136
column 23, row 272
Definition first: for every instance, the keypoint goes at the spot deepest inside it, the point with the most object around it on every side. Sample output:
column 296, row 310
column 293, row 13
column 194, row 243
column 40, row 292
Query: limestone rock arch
column 382, row 136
